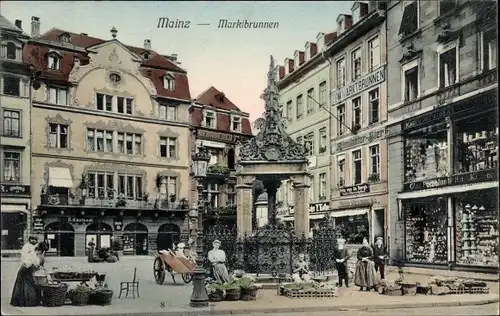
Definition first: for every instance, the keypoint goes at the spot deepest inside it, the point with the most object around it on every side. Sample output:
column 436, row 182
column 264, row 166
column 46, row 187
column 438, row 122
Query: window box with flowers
column 218, row 169
column 374, row 177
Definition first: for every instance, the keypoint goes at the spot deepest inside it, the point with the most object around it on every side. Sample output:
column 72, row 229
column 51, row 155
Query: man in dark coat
column 341, row 257
column 379, row 256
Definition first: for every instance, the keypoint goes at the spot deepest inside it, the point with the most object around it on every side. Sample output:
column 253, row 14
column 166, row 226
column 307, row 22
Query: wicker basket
column 54, row 294
column 216, row 296
column 101, row 297
column 248, row 294
column 80, row 298
column 233, row 294
column 409, row 289
column 40, row 279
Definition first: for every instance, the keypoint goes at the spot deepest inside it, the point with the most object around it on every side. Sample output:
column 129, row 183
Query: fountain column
column 244, row 205
column 271, row 189
column 301, row 210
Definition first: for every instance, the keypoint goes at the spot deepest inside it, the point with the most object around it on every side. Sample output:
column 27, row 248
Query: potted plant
column 80, row 295
column 233, row 291
column 101, row 296
column 84, row 184
column 184, row 204
column 121, row 201
column 172, row 198
column 248, row 288
column 158, row 184
column 215, row 292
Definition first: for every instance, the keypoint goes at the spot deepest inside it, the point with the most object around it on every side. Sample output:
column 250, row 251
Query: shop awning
column 12, row 208
column 313, row 216
column 353, row 212
column 448, row 190
column 60, row 177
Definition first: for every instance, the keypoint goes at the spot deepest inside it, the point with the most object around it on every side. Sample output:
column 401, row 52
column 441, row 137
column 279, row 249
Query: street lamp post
column 199, row 297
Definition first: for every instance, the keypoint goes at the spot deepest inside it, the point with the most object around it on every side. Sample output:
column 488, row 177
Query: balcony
column 62, row 200
column 221, row 211
column 218, row 171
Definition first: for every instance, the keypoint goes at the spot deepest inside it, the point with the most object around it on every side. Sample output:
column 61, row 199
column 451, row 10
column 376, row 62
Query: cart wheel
column 187, row 277
column 159, row 270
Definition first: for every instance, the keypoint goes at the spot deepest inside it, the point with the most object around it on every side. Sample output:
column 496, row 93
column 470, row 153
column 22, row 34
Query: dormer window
column 297, row 59
column 64, row 38
column 209, row 119
column 307, row 52
column 320, row 41
column 356, row 13
column 54, row 61
column 236, row 124
column 11, row 51
column 145, row 55
column 340, row 24
column 169, row 82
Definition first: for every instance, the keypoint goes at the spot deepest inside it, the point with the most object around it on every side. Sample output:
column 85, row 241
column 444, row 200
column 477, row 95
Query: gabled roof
column 210, row 97
column 5, row 24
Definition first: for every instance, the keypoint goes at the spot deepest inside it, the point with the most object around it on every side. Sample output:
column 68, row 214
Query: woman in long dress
column 25, row 292
column 365, row 268
column 217, row 258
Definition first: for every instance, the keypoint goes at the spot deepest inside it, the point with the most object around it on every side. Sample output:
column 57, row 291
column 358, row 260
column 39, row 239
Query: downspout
column 330, row 175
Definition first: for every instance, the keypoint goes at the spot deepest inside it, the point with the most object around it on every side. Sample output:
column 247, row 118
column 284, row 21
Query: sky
column 234, row 61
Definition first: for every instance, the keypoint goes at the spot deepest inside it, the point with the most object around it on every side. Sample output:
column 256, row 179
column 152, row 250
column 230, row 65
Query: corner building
column 443, row 133
column 110, row 154
column 359, row 114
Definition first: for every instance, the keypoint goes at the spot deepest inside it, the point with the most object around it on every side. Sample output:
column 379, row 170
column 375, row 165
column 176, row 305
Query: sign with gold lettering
column 457, row 179
column 357, row 140
column 359, row 85
column 216, row 136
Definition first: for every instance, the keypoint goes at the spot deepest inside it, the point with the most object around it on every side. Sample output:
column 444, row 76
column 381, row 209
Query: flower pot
column 80, row 298
column 101, row 297
column 248, row 294
column 233, row 294
column 216, row 296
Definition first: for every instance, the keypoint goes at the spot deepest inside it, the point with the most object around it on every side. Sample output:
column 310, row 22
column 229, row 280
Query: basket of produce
column 233, row 292
column 54, row 294
column 101, row 297
column 248, row 289
column 80, row 295
column 215, row 292
column 40, row 277
column 392, row 289
column 409, row 289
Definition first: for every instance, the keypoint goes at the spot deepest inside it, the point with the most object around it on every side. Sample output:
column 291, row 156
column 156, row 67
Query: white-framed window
column 374, row 97
column 129, row 143
column 374, row 160
column 214, row 158
column 356, row 64
column 236, row 124
column 322, row 185
column 11, row 166
column 341, row 170
column 124, row 105
column 212, row 192
column 309, row 144
column 168, row 112
column 130, row 186
column 11, row 123
column 299, row 108
column 289, row 110
column 446, row 6
column 411, row 81
column 210, row 119
column 341, row 119
column 374, row 53
column 58, row 135
column 410, row 21
column 341, row 73
column 101, row 184
column 54, row 61
column 104, row 102
column 356, row 166
column 322, row 94
column 310, row 102
column 448, row 64
column 58, row 95
column 168, row 148
column 169, row 82
column 489, row 49
column 323, row 140
column 10, row 51
column 356, row 111
column 100, row 140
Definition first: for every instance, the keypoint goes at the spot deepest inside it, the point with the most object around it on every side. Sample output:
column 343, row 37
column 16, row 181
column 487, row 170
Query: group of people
column 25, row 292
column 371, row 259
column 103, row 254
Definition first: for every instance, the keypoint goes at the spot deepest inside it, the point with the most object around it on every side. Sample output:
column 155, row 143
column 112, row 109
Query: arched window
column 11, row 51
column 168, row 235
column 169, row 82
column 64, row 37
column 135, row 239
column 54, row 61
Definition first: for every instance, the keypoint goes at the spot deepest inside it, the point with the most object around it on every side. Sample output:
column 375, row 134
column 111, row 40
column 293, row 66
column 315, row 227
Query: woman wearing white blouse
column 25, row 292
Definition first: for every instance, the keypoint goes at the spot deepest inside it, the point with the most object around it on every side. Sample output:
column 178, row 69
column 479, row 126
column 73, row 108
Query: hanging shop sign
column 80, row 220
column 319, row 207
column 358, row 140
column 38, row 224
column 118, row 224
column 216, row 136
column 457, row 179
column 15, row 189
column 359, row 85
column 356, row 203
column 355, row 189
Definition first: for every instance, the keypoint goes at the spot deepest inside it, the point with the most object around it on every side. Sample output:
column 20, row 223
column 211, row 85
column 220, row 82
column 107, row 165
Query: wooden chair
column 130, row 286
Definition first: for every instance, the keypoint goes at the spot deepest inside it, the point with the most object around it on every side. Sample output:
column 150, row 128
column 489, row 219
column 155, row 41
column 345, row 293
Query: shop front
column 15, row 205
column 449, row 203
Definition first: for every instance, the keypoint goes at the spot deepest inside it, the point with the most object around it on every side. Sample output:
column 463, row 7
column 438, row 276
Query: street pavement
column 170, row 299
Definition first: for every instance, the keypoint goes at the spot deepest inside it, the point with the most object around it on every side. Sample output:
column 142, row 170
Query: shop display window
column 476, row 228
column 353, row 228
column 426, row 231
column 476, row 143
column 426, row 153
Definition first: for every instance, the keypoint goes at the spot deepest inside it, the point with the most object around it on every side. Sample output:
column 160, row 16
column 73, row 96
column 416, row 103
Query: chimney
column 147, row 44
column 35, row 26
column 19, row 24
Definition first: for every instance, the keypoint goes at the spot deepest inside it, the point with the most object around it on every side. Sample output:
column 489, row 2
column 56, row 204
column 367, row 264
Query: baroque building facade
column 219, row 125
column 303, row 83
column 109, row 154
column 443, row 133
column 359, row 114
column 15, row 149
